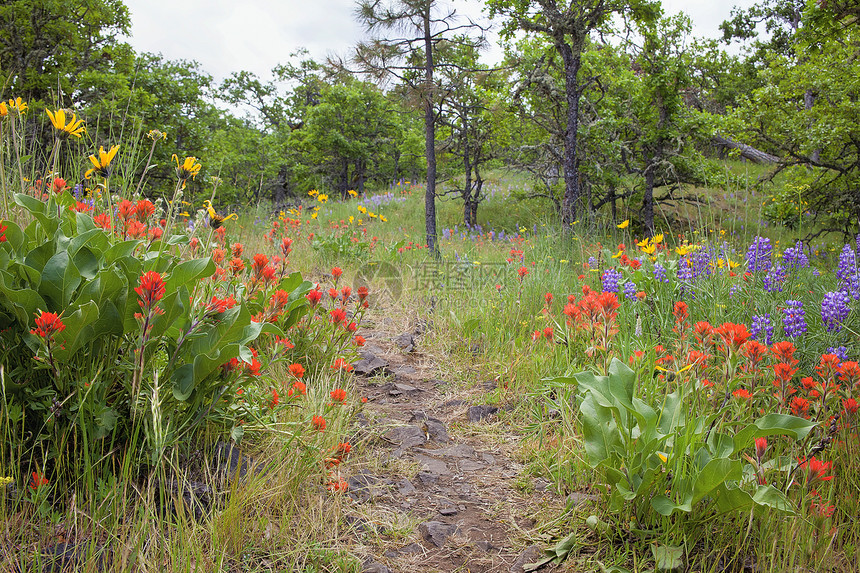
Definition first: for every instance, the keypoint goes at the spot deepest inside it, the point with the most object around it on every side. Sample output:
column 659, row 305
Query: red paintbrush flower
column 150, row 291
column 48, row 324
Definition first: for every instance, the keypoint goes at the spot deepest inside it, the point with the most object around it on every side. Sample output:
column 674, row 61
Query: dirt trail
column 426, row 495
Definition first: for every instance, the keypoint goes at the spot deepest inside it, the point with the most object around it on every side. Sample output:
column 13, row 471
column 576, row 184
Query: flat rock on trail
column 421, row 499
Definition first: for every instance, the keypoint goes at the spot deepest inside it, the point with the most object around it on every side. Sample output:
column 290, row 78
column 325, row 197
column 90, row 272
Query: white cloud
column 255, row 35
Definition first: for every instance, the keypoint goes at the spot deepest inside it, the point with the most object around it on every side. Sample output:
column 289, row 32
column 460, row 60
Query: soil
column 433, row 483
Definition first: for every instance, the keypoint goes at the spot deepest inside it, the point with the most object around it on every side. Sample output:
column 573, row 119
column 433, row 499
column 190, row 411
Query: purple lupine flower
column 840, row 351
column 774, row 278
column 700, row 263
column 762, row 328
column 610, row 280
column 834, row 310
column 685, row 269
column 733, row 291
column 793, row 320
column 630, row 290
column 847, row 272
column 592, row 262
column 660, row 273
column 795, row 258
column 759, row 255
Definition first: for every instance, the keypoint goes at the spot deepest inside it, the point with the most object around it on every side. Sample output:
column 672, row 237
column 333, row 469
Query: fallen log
column 746, row 151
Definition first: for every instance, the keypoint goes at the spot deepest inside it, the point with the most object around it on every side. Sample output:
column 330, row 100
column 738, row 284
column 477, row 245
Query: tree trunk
column 648, row 199
column 808, row 103
column 344, row 179
column 476, row 195
column 571, row 203
column 467, row 187
column 429, row 138
column 748, row 152
column 361, row 168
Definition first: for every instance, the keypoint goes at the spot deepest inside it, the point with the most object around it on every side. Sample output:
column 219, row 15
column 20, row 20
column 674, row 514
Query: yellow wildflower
column 156, row 134
column 314, row 214
column 351, row 219
column 4, row 111
column 383, row 219
column 18, row 104
column 4, row 481
column 362, row 209
column 683, row 250
column 648, row 249
column 624, row 224
column 189, row 168
column 101, row 165
column 216, row 220
column 74, row 127
column 657, row 239
column 313, row 192
column 352, row 193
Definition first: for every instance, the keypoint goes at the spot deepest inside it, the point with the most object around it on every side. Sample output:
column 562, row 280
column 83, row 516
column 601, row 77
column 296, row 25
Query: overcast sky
column 255, row 35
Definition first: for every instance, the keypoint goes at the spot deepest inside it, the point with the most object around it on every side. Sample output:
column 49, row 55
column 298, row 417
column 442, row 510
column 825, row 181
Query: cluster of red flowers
column 150, row 291
column 626, row 261
column 48, row 324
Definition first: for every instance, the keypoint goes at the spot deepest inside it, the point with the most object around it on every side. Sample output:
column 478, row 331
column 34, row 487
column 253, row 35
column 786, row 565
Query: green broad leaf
column 721, row 445
column 188, row 272
column 86, row 262
column 557, row 554
column 106, row 419
column 109, row 291
column 560, row 380
column 82, row 239
column 237, row 433
column 183, row 382
column 771, row 425
column 611, row 569
column 60, row 279
column 175, row 315
column 672, row 413
column 23, row 303
column 647, row 418
column 665, row 506
column 120, row 251
column 85, row 223
column 599, row 430
column 14, row 235
column 39, row 257
column 470, row 326
column 715, row 473
column 78, row 330
column 626, row 493
column 292, row 282
column 769, row 496
column 615, row 390
column 26, row 273
column 39, row 211
column 732, row 498
column 668, row 557
column 597, row 525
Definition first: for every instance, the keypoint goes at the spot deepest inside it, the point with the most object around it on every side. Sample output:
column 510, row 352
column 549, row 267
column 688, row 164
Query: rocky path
column 428, row 492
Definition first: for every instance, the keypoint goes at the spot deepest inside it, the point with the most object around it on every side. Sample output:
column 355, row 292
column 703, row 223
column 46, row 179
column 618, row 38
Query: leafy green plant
column 663, row 463
column 128, row 337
